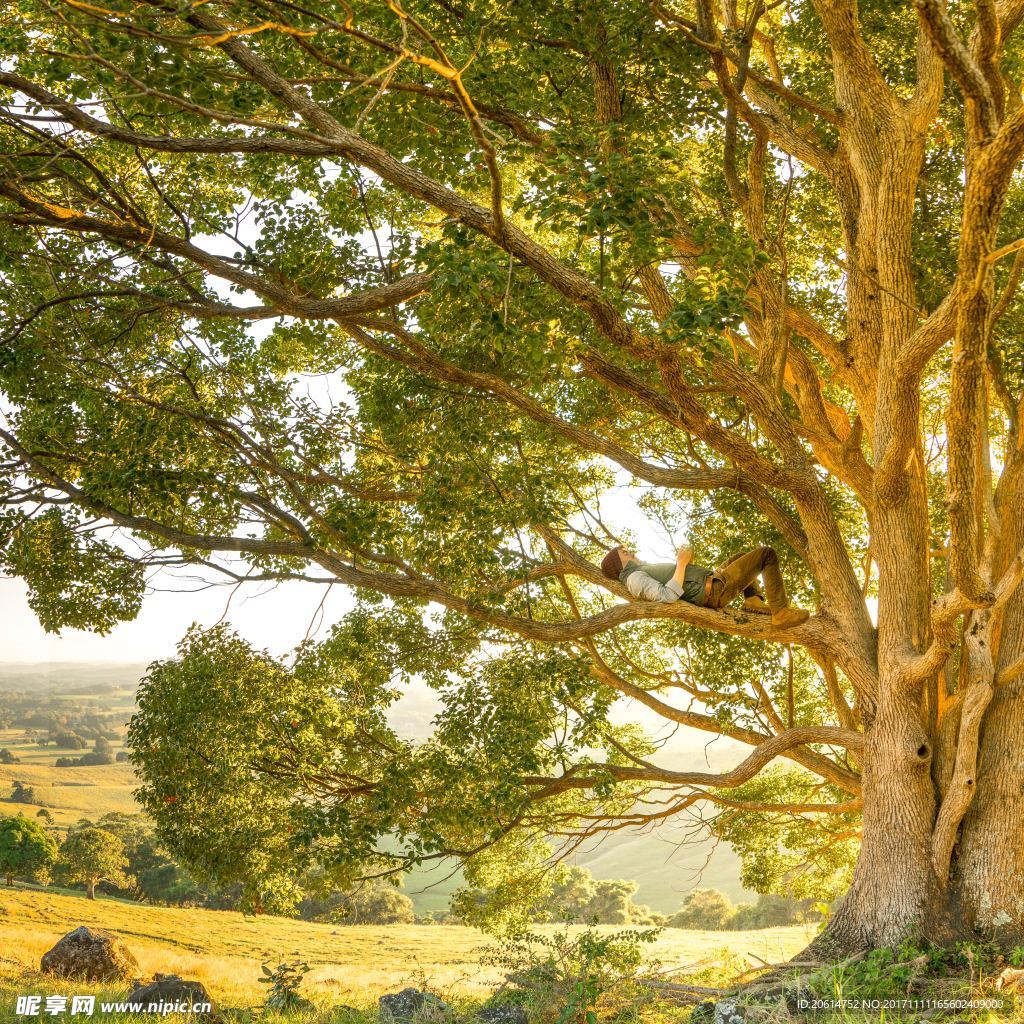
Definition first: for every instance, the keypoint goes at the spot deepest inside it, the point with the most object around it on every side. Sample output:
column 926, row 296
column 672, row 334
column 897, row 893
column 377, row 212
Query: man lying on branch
column 714, row 588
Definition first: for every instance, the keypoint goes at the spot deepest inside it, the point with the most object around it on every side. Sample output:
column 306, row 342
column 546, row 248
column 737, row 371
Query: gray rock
column 728, row 1011
column 509, row 1013
column 168, row 989
column 412, row 1005
column 91, row 954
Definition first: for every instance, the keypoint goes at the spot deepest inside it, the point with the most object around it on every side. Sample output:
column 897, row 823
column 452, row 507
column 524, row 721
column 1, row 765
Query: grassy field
column 70, row 793
column 352, row 964
column 665, row 866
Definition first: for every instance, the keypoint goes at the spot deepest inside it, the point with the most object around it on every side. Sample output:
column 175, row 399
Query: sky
column 273, row 618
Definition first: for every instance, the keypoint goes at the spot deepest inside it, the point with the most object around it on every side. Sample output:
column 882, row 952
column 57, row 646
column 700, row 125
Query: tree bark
column 895, row 893
column 990, row 855
column 90, row 889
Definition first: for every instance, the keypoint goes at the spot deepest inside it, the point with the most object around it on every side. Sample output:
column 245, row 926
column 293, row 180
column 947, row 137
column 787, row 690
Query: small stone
column 412, row 1005
column 167, row 989
column 728, row 1011
column 90, row 954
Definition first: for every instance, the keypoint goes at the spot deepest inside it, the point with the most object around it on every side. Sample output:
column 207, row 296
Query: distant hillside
column 69, row 676
column 666, row 863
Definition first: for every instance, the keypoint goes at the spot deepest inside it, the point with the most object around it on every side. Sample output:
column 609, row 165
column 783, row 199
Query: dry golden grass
column 351, row 964
column 95, row 790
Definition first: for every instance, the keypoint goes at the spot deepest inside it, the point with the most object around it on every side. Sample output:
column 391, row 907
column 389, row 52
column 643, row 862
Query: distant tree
column 45, row 815
column 70, row 741
column 26, row 848
column 121, row 756
column 102, row 753
column 771, row 911
column 612, row 902
column 372, row 902
column 376, row 903
column 705, row 909
column 572, row 894
column 93, row 855
column 153, row 875
column 6, row 757
column 22, row 794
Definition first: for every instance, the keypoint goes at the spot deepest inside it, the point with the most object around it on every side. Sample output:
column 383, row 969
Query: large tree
column 92, row 855
column 390, row 296
column 25, row 848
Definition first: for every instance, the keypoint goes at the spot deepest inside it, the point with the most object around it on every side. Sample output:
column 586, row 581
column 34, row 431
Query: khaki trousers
column 739, row 575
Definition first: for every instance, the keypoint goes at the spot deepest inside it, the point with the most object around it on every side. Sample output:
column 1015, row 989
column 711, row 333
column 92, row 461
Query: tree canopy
column 398, row 297
column 26, row 848
column 92, row 855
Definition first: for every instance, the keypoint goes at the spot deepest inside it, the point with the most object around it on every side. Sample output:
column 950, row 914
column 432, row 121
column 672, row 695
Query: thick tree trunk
column 988, row 869
column 10, row 879
column 990, row 855
column 90, row 890
column 895, row 893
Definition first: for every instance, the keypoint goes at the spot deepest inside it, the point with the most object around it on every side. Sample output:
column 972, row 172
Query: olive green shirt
column 652, row 581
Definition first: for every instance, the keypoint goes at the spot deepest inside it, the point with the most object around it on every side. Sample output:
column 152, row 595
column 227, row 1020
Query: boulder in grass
column 168, row 989
column 411, row 1005
column 507, row 1013
column 90, row 954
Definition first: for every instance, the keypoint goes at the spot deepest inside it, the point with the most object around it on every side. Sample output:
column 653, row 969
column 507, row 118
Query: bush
column 369, row 903
column 22, row 794
column 704, row 909
column 564, row 979
column 6, row 757
column 908, row 970
column 284, row 981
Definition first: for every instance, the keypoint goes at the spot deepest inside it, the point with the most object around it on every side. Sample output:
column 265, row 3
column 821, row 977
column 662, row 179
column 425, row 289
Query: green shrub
column 569, row 979
column 284, row 981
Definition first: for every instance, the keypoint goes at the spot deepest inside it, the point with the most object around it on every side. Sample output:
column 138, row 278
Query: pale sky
column 276, row 619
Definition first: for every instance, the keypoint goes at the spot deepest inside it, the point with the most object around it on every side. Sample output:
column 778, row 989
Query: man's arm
column 684, row 556
column 647, row 588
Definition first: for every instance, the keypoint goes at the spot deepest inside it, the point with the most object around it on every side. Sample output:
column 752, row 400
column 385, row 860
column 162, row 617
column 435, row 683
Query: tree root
column 779, row 982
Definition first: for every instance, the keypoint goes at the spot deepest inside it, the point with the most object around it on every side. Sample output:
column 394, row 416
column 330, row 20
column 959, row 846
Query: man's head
column 615, row 561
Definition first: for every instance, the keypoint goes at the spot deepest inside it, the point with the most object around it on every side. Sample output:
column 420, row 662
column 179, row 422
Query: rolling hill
column 351, row 964
column 666, row 863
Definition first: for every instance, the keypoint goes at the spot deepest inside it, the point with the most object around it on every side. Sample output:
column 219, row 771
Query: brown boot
column 789, row 617
column 756, row 604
